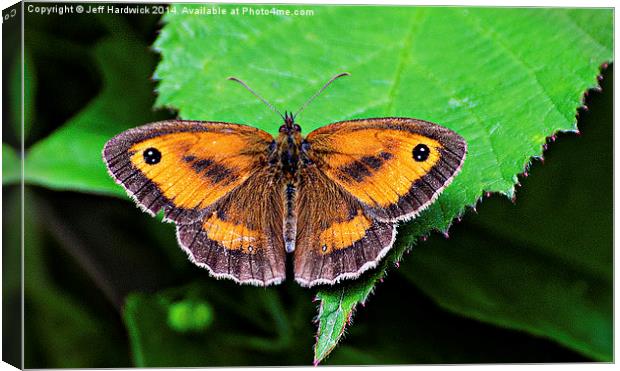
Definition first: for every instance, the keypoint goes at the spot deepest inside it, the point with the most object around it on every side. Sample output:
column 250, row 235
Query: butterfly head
column 289, row 127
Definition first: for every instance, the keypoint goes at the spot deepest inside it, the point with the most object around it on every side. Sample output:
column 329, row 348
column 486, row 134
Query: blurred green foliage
column 190, row 315
column 529, row 282
column 11, row 165
column 118, row 106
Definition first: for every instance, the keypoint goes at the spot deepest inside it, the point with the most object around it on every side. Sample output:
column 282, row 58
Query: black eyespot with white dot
column 421, row 152
column 152, row 156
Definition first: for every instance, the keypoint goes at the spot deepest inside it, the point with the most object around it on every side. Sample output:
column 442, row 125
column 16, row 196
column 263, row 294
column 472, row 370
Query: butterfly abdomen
column 290, row 220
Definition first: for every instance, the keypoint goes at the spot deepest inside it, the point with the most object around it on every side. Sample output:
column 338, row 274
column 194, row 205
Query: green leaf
column 505, row 79
column 544, row 265
column 70, row 158
column 11, row 165
column 335, row 315
column 402, row 325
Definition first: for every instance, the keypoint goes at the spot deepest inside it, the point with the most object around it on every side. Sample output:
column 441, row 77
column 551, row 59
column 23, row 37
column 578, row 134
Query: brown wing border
column 370, row 264
column 222, row 252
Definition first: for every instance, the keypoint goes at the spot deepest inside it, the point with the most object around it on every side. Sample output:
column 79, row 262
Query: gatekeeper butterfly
column 242, row 199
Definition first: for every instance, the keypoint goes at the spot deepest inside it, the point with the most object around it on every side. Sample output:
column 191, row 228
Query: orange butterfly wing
column 205, row 175
column 197, row 164
column 362, row 177
column 395, row 166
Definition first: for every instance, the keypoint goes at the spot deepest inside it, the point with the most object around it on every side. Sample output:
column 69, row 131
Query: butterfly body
column 285, row 155
column 242, row 199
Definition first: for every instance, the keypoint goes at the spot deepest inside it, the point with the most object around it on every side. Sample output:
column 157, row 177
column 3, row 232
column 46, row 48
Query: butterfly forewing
column 184, row 167
column 395, row 166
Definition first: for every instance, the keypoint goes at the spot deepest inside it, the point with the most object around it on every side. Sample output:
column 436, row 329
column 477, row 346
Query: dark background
column 86, row 253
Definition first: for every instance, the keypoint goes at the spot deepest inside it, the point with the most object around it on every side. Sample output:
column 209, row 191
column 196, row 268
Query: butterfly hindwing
column 184, row 167
column 395, row 166
column 242, row 238
column 336, row 238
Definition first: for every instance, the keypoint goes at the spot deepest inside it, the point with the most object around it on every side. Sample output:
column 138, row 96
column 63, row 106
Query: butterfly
column 242, row 200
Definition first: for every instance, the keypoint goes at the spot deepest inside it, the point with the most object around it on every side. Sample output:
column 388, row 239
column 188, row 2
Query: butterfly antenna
column 256, row 95
column 320, row 91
